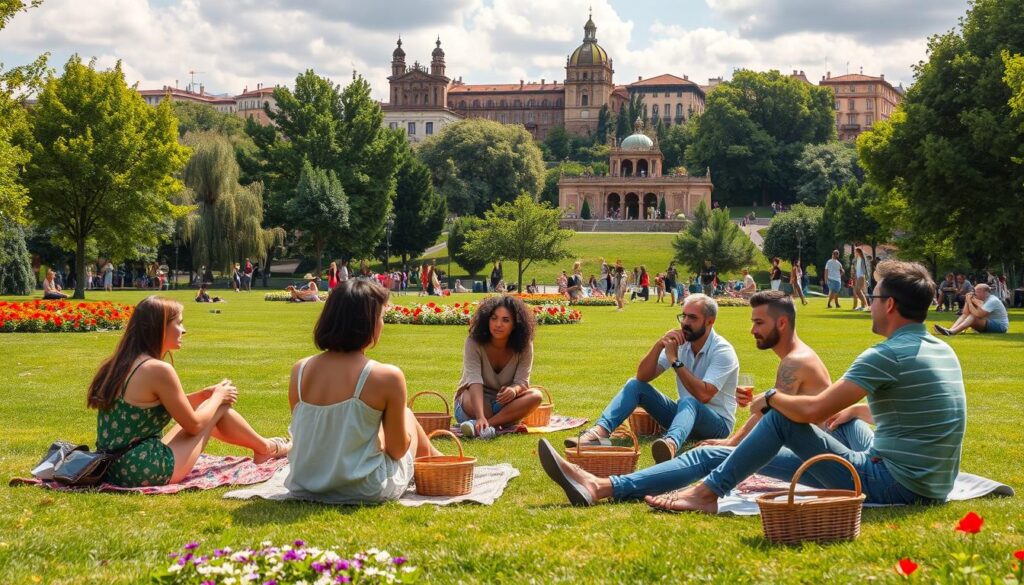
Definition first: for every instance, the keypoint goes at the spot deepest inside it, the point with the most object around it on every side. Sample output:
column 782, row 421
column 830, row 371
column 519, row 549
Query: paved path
column 751, row 231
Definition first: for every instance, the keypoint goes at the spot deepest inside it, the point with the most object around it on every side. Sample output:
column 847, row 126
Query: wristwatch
column 767, row 400
column 677, row 364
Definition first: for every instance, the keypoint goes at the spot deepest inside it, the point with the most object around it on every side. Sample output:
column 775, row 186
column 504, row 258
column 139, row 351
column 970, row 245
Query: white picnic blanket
column 489, row 483
column 967, row 487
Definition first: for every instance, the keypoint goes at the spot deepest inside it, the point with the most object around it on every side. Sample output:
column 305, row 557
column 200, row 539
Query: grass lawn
column 530, row 534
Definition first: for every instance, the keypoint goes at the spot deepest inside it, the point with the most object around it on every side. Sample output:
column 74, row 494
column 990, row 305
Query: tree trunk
column 80, row 269
column 519, row 280
column 266, row 269
column 319, row 256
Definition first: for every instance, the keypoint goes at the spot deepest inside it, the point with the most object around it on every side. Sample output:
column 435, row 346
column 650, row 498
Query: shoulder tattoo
column 787, row 378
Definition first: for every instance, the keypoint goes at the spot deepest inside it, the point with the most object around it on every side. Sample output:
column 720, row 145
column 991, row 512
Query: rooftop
column 665, row 79
column 507, row 87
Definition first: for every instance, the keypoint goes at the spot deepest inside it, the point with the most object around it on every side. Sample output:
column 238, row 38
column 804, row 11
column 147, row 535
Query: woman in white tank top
column 354, row 439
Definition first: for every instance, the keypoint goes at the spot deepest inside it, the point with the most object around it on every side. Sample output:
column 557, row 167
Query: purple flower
column 399, row 561
column 218, row 553
column 341, row 565
column 172, row 556
column 182, row 562
column 209, row 582
column 271, row 582
column 342, row 579
column 318, row 567
column 291, row 556
column 300, row 543
column 192, row 545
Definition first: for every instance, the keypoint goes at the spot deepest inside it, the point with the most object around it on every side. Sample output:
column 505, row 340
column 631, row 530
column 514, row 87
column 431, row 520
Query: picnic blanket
column 210, row 472
column 743, row 500
column 557, row 423
column 489, row 483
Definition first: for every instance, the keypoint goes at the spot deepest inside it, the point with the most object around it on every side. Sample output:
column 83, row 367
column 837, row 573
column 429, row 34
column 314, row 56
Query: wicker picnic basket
column 444, row 475
column 432, row 421
column 643, row 424
column 542, row 415
column 824, row 516
column 605, row 461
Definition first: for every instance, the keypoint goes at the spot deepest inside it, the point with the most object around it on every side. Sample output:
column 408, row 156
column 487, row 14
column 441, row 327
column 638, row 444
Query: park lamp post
column 177, row 242
column 388, row 226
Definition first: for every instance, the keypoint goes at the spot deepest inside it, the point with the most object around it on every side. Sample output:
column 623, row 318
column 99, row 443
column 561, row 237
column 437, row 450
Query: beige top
column 476, row 369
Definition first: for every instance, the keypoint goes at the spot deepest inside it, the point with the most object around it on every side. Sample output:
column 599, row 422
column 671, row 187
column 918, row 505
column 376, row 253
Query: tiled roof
column 665, row 79
column 850, row 77
column 507, row 87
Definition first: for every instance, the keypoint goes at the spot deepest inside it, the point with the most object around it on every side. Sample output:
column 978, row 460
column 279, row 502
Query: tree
column 604, row 121
column 585, row 210
column 794, row 235
column 824, row 167
column 193, row 118
column 225, row 225
column 713, row 236
column 558, row 143
column 103, row 163
column 522, row 231
column 477, row 162
column 673, row 146
column 458, row 235
column 662, row 210
column 551, row 177
column 419, row 210
column 623, row 126
column 857, row 210
column 893, row 214
column 320, row 210
column 950, row 148
column 16, row 276
column 753, row 130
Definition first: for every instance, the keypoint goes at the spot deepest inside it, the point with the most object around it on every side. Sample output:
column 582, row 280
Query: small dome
column 637, row 141
column 438, row 53
column 398, row 52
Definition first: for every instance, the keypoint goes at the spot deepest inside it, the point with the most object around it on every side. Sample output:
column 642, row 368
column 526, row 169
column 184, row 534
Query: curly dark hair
column 523, row 321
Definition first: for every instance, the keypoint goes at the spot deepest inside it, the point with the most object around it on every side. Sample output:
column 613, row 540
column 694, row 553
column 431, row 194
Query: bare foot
column 276, row 447
column 696, row 498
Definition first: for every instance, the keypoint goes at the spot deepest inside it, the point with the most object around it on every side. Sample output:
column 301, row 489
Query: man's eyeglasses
column 871, row 298
column 680, row 317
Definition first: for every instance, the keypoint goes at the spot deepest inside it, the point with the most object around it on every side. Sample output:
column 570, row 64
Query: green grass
column 529, row 535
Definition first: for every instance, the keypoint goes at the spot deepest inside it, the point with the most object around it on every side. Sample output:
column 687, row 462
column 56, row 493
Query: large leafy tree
column 419, row 210
column 673, row 146
column 950, row 148
column 476, row 163
column 794, row 235
column 522, row 231
column 824, row 167
column 225, row 225
column 713, row 236
column 558, row 143
column 754, row 129
column 551, row 177
column 319, row 210
column 458, row 235
column 103, row 163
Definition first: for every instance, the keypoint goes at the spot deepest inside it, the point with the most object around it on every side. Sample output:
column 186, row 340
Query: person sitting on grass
column 52, row 290
column 137, row 394
column 915, row 396
column 705, row 368
column 749, row 286
column 355, row 438
column 204, row 297
column 458, row 286
column 800, row 372
column 495, row 387
column 983, row 312
column 309, row 294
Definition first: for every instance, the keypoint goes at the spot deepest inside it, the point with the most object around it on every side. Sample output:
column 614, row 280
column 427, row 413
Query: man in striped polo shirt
column 915, row 397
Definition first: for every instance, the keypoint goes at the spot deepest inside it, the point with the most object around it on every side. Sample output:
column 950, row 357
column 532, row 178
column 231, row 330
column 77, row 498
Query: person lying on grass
column 915, row 396
column 495, row 387
column 705, row 368
column 137, row 394
column 355, row 439
column 309, row 294
column 800, row 372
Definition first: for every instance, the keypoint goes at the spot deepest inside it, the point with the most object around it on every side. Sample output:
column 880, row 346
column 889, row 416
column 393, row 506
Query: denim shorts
column 995, row 327
column 834, row 286
column 460, row 414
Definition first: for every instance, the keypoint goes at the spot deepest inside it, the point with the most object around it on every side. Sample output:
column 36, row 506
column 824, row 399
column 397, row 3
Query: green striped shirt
column 916, row 395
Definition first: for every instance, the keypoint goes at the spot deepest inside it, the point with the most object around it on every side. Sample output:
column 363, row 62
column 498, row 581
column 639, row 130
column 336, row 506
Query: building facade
column 636, row 185
column 222, row 103
column 861, row 100
column 418, row 96
column 251, row 104
column 669, row 99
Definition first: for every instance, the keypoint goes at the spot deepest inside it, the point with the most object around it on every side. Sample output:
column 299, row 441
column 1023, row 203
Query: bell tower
column 588, row 83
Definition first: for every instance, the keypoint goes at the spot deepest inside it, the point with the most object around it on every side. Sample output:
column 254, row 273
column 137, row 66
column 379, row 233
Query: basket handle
column 823, row 457
column 418, row 394
column 636, row 444
column 544, row 390
column 450, row 434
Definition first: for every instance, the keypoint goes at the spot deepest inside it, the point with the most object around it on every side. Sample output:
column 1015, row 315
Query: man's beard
column 770, row 341
column 691, row 335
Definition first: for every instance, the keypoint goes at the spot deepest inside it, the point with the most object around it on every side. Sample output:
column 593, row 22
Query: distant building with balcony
column 668, row 99
column 860, row 101
column 251, row 104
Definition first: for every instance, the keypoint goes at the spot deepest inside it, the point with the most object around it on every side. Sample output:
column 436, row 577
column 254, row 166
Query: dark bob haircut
column 779, row 304
column 523, row 322
column 910, row 286
column 350, row 315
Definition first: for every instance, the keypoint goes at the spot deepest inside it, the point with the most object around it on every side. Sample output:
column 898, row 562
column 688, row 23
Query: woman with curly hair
column 496, row 363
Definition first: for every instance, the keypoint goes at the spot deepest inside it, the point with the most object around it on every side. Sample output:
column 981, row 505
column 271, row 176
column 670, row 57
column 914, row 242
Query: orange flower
column 906, row 567
column 970, row 524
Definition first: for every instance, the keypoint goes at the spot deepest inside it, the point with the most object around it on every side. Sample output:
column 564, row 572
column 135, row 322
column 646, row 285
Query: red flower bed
column 55, row 316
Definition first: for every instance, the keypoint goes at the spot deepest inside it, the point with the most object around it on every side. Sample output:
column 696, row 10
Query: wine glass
column 744, row 390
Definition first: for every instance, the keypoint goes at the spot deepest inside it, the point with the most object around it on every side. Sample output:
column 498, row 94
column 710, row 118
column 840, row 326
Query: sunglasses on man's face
column 871, row 298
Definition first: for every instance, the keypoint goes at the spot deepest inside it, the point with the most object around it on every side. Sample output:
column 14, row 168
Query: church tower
column 398, row 60
column 588, row 83
column 437, row 60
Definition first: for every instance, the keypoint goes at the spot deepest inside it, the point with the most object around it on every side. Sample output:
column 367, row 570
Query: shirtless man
column 801, row 372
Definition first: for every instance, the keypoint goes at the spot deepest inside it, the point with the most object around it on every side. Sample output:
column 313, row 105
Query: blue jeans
column 687, row 418
column 460, row 413
column 780, row 441
column 693, row 465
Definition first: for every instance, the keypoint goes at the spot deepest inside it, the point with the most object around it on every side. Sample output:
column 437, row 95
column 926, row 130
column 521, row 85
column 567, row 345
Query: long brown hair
column 144, row 334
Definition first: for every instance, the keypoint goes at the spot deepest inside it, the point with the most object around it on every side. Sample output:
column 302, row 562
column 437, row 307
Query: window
column 476, row 103
column 393, row 125
column 668, row 110
column 869, row 105
column 679, row 110
column 655, row 94
column 584, row 100
column 412, row 128
column 585, row 75
column 430, row 128
column 654, row 110
column 679, row 94
column 851, row 118
column 517, row 104
column 558, row 102
column 490, row 103
column 852, row 89
column 868, row 119
column 837, row 104
column 851, row 104
column 504, row 104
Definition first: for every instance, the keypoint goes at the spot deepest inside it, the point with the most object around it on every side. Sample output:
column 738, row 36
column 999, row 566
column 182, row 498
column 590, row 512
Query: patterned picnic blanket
column 557, row 423
column 210, row 472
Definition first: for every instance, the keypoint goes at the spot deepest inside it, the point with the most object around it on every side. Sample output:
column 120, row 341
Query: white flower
column 174, row 568
column 230, row 581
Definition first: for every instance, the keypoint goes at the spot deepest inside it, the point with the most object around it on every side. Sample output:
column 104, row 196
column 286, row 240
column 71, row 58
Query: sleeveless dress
column 336, row 455
column 150, row 462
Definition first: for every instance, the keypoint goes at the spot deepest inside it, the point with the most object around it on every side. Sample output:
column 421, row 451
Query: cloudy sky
column 234, row 44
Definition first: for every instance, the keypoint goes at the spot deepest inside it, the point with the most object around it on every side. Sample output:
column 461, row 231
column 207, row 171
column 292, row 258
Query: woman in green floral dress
column 137, row 394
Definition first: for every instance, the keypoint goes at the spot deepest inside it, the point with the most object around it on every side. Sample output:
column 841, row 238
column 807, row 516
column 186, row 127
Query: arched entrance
column 627, row 168
column 642, row 169
column 613, row 204
column 632, row 206
column 650, row 206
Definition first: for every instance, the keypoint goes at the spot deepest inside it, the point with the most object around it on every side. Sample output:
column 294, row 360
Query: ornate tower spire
column 398, row 59
column 437, row 59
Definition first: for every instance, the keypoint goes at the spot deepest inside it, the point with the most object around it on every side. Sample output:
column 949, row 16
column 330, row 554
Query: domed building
column 634, row 189
column 588, row 83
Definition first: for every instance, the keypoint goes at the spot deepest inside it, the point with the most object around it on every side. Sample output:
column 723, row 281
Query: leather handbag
column 83, row 468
